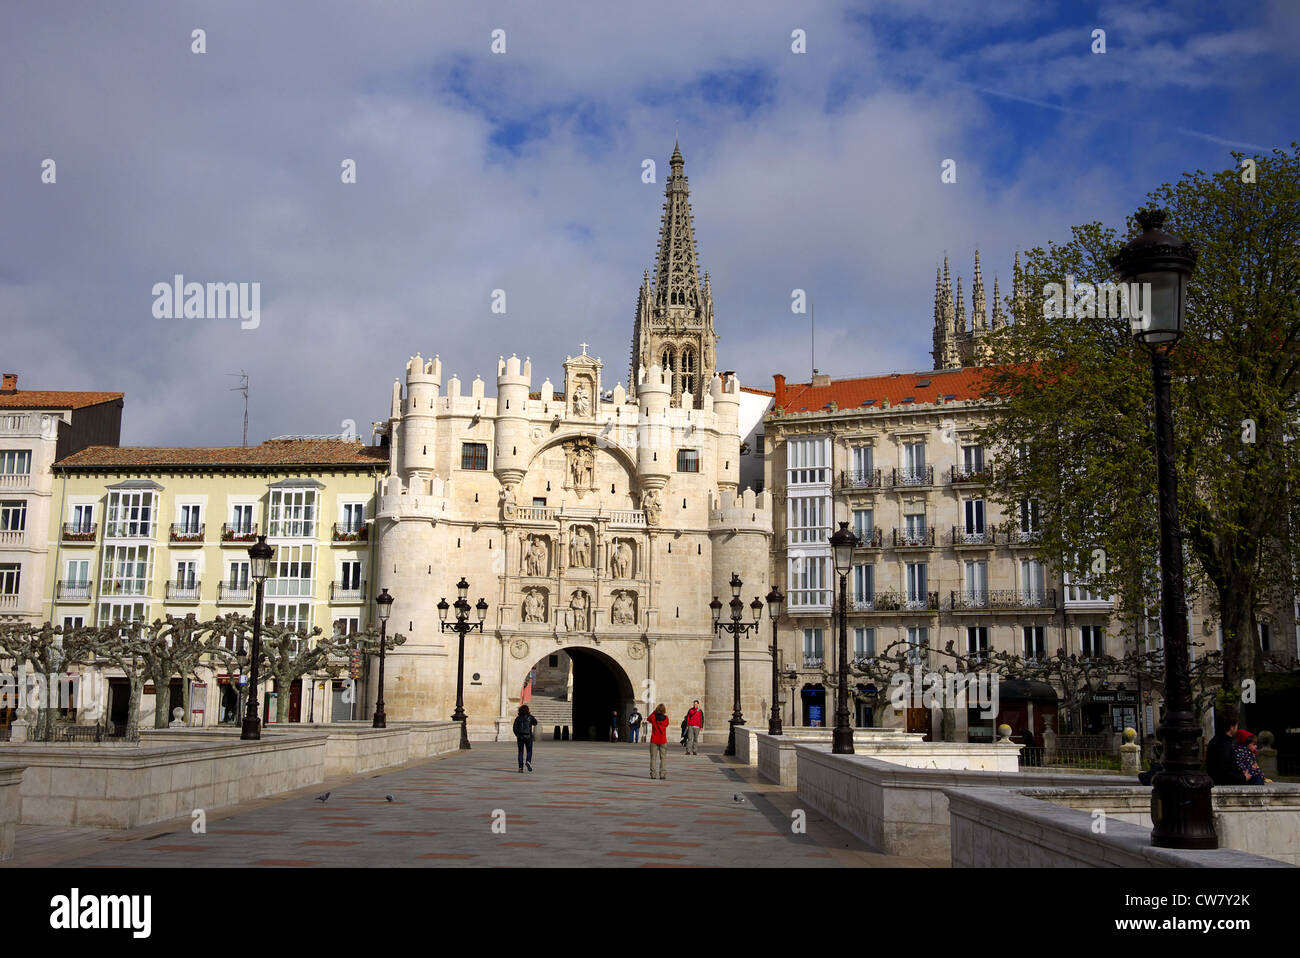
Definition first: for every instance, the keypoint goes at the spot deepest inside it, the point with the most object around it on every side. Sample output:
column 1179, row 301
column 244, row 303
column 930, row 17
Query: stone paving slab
column 586, row 804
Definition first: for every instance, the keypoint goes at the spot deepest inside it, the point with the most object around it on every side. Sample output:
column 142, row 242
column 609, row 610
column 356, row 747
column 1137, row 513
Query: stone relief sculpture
column 580, row 549
column 624, row 609
column 621, row 561
column 535, row 605
column 507, row 503
column 652, row 506
column 579, row 606
column 581, row 458
column 535, row 556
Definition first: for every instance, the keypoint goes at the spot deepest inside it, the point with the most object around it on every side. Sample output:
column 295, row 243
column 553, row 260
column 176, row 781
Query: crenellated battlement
column 748, row 510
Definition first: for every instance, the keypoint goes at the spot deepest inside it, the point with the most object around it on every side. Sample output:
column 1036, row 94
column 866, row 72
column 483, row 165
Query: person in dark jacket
column 523, row 729
column 1247, row 745
column 1145, row 778
column 1220, row 758
column 634, row 726
column 613, row 725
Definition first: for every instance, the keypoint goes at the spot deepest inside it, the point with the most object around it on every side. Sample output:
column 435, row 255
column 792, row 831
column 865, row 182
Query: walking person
column 658, row 741
column 634, row 726
column 613, row 726
column 694, row 726
column 523, row 729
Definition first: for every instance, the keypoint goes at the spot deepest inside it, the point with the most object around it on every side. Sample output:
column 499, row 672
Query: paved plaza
column 586, row 804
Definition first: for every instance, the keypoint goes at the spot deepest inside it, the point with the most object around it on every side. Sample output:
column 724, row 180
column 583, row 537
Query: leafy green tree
column 1074, row 429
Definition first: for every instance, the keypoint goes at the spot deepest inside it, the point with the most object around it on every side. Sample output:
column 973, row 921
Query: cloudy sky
column 522, row 171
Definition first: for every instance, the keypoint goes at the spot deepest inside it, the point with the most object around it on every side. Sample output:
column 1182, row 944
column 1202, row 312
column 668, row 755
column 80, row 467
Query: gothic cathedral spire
column 674, row 323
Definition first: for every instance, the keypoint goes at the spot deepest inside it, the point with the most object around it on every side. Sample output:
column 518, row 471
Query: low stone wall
column 123, row 788
column 747, row 738
column 1250, row 818
column 11, row 778
column 777, row 763
column 899, row 809
column 1004, row 828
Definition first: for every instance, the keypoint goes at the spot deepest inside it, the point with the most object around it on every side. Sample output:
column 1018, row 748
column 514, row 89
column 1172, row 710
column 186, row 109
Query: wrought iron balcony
column 961, row 475
column 185, row 591
column 998, row 600
column 80, row 532
column 871, row 539
column 903, row 539
column 812, row 661
column 922, row 476
column 187, row 533
column 235, row 533
column 860, row 479
column 892, row 600
column 233, row 592
column 960, row 537
column 1022, row 537
column 73, row 590
column 347, row 591
column 344, row 532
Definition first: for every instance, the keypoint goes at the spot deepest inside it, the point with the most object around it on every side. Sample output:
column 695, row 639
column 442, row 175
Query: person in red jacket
column 658, row 741
column 694, row 725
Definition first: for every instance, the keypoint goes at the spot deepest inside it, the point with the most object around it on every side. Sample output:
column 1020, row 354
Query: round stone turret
column 419, row 417
column 514, row 380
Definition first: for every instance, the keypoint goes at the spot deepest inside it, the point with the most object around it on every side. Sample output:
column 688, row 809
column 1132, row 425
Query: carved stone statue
column 621, row 562
column 580, row 549
column 507, row 503
column 652, row 506
column 582, row 399
column 624, row 610
column 535, row 557
column 578, row 612
column 534, row 606
column 581, row 462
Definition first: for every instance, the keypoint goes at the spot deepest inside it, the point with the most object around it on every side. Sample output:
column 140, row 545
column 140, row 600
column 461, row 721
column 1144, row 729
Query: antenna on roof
column 812, row 334
column 242, row 388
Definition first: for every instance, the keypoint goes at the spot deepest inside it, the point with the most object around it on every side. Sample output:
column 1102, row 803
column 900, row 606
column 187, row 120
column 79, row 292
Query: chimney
column 10, row 384
column 821, row 380
column 778, row 383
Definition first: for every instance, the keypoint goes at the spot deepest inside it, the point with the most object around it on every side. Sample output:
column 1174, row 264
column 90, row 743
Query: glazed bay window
column 474, row 455
column 292, row 514
column 807, row 462
column 688, row 460
column 1092, row 641
column 130, row 514
column 291, row 615
column 126, row 570
column 809, row 578
column 813, row 653
column 15, row 467
column 10, row 579
column 13, row 515
column 110, row 612
column 808, row 519
column 291, row 572
column 864, row 586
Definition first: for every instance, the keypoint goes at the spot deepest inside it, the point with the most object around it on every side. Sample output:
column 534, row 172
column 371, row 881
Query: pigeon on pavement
column 388, row 798
column 323, row 798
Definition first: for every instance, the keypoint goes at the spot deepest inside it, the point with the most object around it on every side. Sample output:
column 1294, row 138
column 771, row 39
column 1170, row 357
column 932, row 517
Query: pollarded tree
column 1075, row 432
column 47, row 650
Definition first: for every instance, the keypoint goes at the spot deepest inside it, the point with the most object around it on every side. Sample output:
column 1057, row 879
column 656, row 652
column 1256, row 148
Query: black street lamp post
column 737, row 628
column 1181, row 808
column 259, row 557
column 774, row 600
column 385, row 603
column 461, row 626
column 843, row 542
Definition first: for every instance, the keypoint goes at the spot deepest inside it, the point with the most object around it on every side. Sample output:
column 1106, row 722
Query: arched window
column 688, row 371
column 666, row 363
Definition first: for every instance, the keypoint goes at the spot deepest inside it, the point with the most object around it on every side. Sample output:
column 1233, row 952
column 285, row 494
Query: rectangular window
column 1265, row 637
column 539, row 502
column 237, row 579
column 126, row 570
column 916, row 583
column 77, row 573
column 863, row 461
column 1092, row 641
column 1035, row 641
column 864, row 583
column 130, row 515
column 807, row 461
column 974, row 514
column 351, row 575
column 914, row 527
column 918, row 638
column 864, row 524
column 809, row 519
column 186, row 575
column 291, row 615
column 291, row 572
column 293, row 514
column 74, row 622
column 977, row 640
column 13, row 515
column 15, row 462
column 688, row 460
column 83, row 518
column 354, row 516
column 473, row 455
column 813, row 655
column 914, row 463
column 347, row 625
column 1033, row 582
column 808, row 578
column 864, row 643
column 189, row 520
column 1029, row 518
column 972, row 459
column 124, row 611
column 977, row 583
column 241, row 518
column 10, row 576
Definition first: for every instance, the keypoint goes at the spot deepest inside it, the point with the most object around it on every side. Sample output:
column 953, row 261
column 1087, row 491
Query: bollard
column 566, row 734
column 1130, row 754
column 555, row 736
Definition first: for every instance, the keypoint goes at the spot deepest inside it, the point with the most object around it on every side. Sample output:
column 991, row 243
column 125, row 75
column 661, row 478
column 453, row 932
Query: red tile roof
column 54, row 399
column 273, row 452
column 954, row 385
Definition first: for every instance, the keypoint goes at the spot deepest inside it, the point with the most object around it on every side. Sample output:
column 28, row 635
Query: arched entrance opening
column 581, row 688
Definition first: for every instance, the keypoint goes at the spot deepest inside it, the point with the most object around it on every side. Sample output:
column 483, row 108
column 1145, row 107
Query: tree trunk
column 133, row 705
column 161, row 701
column 1236, row 611
column 282, row 697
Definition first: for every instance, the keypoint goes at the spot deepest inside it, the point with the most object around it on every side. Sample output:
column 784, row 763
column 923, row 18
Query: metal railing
column 226, row 592
column 80, row 532
column 344, row 532
column 813, row 661
column 961, row 537
column 913, row 540
column 860, row 479
column 960, row 474
column 187, row 532
column 973, row 600
column 346, row 592
column 1082, row 758
column 184, row 591
column 73, row 589
column 871, row 539
column 238, row 533
column 924, row 476
column 1021, row 537
column 894, row 601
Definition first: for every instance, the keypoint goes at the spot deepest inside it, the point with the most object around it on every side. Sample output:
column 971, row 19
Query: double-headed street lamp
column 843, row 542
column 259, row 558
column 737, row 628
column 461, row 626
column 385, row 603
column 774, row 600
column 1181, row 808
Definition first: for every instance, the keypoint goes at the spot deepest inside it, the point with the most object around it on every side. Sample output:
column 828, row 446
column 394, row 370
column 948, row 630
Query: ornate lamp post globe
column 843, row 542
column 385, row 603
column 259, row 560
column 774, row 601
column 1181, row 809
